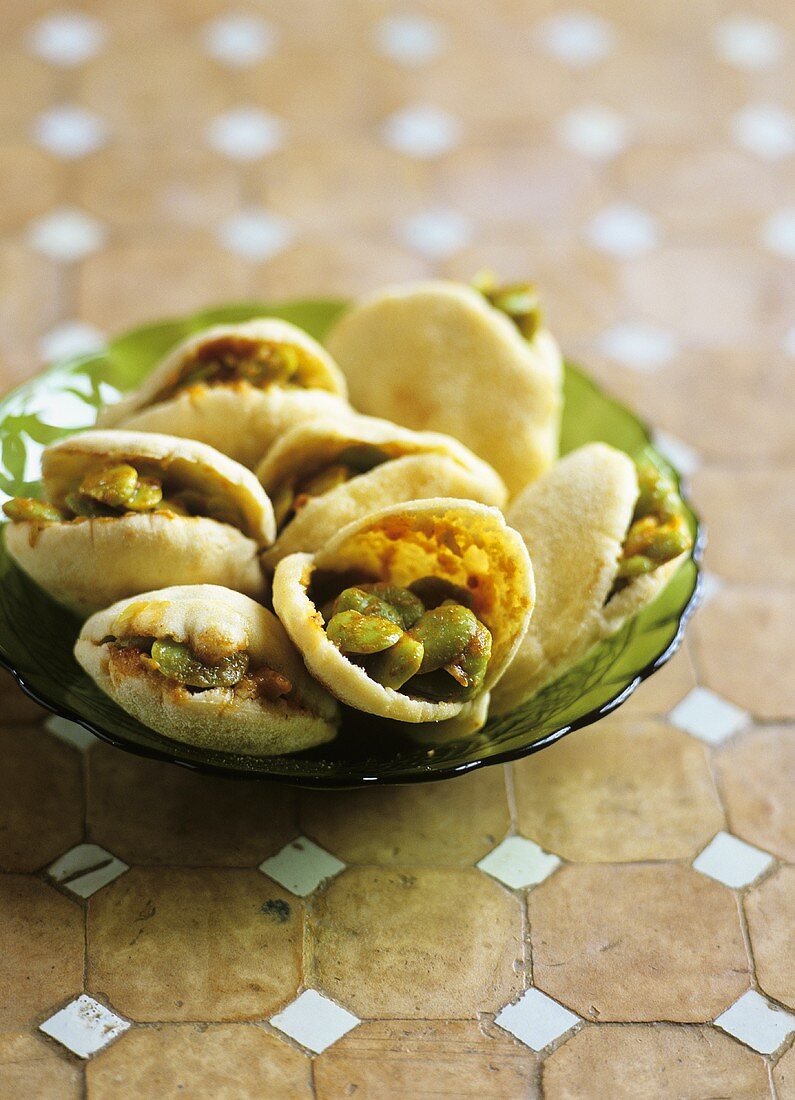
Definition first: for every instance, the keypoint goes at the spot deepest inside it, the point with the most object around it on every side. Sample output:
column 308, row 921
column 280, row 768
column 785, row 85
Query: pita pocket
column 439, row 355
column 605, row 538
column 236, row 388
column 129, row 511
column 412, row 613
column 209, row 667
column 326, row 474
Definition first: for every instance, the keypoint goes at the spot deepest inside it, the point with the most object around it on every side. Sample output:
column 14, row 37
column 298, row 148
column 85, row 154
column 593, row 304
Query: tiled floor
column 611, row 918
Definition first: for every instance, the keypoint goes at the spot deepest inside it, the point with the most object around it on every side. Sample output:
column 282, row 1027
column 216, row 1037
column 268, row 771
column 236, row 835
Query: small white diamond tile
column 622, row 230
column 748, row 43
column 66, row 38
column 246, row 133
column 70, row 732
column 301, row 866
column 778, row 233
column 732, row 861
column 422, row 132
column 84, row 1026
column 66, row 235
column 85, row 869
column 239, row 40
column 707, row 716
column 436, row 234
column 765, row 130
column 680, row 454
column 255, row 234
column 576, row 38
column 536, row 1020
column 639, row 346
column 756, row 1022
column 70, row 339
column 593, row 131
column 410, row 39
column 519, row 862
column 70, row 132
column 314, row 1021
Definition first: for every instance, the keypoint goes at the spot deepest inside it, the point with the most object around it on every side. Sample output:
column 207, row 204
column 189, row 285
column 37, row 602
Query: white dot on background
column 764, row 129
column 639, row 346
column 436, row 234
column 410, row 39
column 67, row 38
column 246, row 133
column 70, row 339
column 70, row 132
column 239, row 40
column 576, row 38
column 255, row 234
column 593, row 131
column 622, row 230
column 422, row 132
column 66, row 234
column 748, row 43
column 778, row 233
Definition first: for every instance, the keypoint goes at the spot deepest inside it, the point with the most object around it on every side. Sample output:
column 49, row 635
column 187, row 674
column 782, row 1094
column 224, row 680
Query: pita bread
column 215, row 623
column 468, row 544
column 87, row 564
column 574, row 521
column 437, row 355
column 420, row 465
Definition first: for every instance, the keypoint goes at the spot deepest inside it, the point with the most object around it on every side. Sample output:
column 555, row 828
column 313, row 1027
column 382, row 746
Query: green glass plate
column 36, row 635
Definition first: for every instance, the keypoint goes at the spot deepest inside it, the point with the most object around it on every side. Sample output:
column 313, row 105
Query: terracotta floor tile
column 28, row 185
column 654, row 1063
column 41, row 950
column 184, row 944
column 436, row 823
column 41, row 798
column 743, row 647
column 784, row 1075
column 28, row 307
column 29, row 1067
column 216, row 1062
column 148, row 812
column 138, row 186
column 750, row 516
column 401, row 1060
column 428, row 944
column 134, row 284
column 770, row 908
column 757, row 774
column 637, row 943
column 662, row 691
column 16, row 708
column 622, row 790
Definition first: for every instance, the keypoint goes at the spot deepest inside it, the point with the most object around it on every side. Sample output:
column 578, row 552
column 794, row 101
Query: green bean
column 178, row 662
column 355, row 633
column 445, row 632
column 37, row 511
column 399, row 663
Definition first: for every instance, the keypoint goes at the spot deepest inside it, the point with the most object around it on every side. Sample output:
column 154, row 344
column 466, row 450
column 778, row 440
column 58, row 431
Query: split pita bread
column 88, row 563
column 574, row 521
column 215, row 623
column 436, row 355
column 236, row 417
column 467, row 544
column 419, row 465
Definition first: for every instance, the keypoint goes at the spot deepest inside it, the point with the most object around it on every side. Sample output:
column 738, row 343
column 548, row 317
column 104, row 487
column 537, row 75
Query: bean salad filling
column 176, row 661
column 423, row 640
column 352, row 460
column 119, row 489
column 518, row 301
column 658, row 532
column 230, row 359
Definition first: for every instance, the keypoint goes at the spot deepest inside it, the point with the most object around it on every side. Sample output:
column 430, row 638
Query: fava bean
column 355, row 633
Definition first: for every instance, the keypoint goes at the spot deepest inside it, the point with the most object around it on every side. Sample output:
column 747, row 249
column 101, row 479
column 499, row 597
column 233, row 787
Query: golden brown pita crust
column 468, row 544
column 574, row 521
column 425, row 464
column 214, row 622
column 438, row 355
